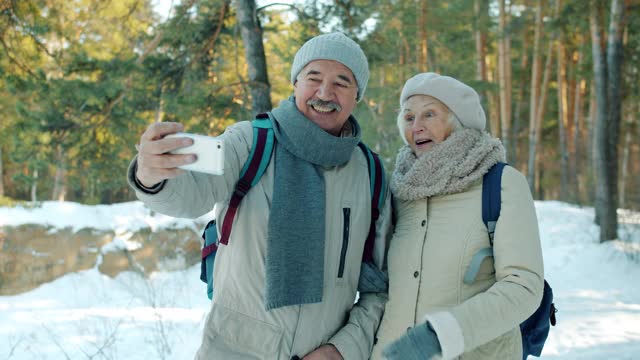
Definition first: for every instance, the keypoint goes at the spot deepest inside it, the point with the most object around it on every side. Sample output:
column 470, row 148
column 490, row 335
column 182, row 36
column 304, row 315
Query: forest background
column 80, row 80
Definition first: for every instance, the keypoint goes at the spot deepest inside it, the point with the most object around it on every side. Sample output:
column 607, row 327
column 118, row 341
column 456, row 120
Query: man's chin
column 329, row 125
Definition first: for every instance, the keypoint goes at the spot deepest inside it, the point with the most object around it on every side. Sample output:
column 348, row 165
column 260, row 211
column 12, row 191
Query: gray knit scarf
column 295, row 244
column 449, row 167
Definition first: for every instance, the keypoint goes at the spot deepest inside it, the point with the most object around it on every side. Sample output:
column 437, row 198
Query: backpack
column 535, row 329
column 253, row 169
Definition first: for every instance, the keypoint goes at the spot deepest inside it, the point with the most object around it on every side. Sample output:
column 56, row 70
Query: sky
column 163, row 7
column 87, row 314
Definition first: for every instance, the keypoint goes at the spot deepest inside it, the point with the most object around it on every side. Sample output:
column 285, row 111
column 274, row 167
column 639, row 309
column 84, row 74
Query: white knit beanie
column 460, row 98
column 338, row 47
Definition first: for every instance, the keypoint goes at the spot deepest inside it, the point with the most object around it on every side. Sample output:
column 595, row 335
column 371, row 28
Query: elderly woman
column 437, row 184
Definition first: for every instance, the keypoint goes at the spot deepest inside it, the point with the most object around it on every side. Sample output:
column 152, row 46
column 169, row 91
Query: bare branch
column 300, row 12
column 214, row 37
column 152, row 45
column 55, row 341
column 14, row 346
column 14, row 60
column 106, row 112
column 239, row 83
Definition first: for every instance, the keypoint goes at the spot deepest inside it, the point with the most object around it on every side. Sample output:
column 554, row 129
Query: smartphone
column 209, row 150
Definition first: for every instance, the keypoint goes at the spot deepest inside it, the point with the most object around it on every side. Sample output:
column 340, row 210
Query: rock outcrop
column 34, row 254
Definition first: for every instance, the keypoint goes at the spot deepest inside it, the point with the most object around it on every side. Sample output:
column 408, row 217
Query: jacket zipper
column 424, row 243
column 295, row 333
column 346, row 215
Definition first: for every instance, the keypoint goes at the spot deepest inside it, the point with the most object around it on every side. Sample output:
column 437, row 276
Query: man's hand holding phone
column 163, row 154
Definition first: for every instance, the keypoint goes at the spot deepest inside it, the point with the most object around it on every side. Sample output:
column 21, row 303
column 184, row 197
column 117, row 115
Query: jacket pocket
column 346, row 228
column 242, row 334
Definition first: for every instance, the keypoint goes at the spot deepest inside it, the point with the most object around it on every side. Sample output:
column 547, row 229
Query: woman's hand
column 419, row 342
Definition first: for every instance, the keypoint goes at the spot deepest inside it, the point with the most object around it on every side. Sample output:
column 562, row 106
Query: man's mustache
column 329, row 104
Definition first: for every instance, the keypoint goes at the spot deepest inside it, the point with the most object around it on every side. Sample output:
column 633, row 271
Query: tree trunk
column 480, row 36
column 481, row 16
column 626, row 152
column 34, row 186
column 480, row 40
column 572, row 59
column 160, row 109
column 493, row 122
column 534, row 96
column 423, row 50
column 520, row 100
column 609, row 224
column 542, row 104
column 403, row 55
column 563, row 122
column 504, row 59
column 590, row 145
column 625, row 159
column 1, row 174
column 602, row 196
column 59, row 187
column 254, row 53
column 575, row 153
column 245, row 86
column 600, row 121
column 383, row 83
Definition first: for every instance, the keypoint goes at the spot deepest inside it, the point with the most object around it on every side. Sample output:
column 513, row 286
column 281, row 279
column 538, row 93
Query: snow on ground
column 89, row 315
column 122, row 217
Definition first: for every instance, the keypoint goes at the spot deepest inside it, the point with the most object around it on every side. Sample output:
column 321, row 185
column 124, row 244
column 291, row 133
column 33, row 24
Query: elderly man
column 286, row 281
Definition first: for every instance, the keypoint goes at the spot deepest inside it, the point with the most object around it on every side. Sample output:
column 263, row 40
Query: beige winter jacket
column 238, row 327
column 431, row 249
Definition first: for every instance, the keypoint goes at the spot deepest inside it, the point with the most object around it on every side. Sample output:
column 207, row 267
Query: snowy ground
column 90, row 316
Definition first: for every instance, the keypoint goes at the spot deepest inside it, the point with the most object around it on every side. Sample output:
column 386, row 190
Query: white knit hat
column 338, row 47
column 460, row 98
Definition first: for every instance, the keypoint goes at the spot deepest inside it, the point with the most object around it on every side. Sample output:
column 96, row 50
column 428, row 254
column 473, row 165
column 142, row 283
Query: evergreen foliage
column 80, row 80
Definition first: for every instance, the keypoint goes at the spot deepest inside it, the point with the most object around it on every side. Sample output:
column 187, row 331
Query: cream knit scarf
column 449, row 167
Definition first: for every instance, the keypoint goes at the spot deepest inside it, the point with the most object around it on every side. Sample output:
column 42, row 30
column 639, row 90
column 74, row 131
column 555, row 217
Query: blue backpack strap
column 491, row 202
column 492, row 198
column 376, row 186
column 252, row 171
column 210, row 247
column 267, row 149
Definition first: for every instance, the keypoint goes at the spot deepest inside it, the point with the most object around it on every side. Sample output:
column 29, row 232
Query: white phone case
column 210, row 152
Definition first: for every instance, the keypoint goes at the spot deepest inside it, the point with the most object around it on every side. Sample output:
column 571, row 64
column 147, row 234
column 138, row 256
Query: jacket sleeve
column 519, row 277
column 193, row 194
column 356, row 339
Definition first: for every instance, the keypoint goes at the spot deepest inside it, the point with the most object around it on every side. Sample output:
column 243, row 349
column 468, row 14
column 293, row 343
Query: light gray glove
column 418, row 343
column 372, row 279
